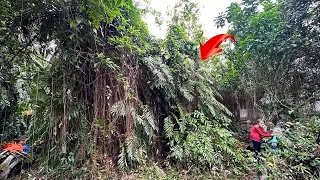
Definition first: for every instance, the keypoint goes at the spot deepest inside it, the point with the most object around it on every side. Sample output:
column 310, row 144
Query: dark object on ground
column 11, row 164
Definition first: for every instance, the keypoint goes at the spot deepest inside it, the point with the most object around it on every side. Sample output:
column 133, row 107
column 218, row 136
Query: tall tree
column 276, row 51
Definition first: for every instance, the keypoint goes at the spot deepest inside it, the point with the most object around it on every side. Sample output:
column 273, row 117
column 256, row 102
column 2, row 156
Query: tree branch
column 306, row 102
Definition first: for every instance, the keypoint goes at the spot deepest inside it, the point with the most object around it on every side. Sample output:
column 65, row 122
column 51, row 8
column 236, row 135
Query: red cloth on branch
column 257, row 133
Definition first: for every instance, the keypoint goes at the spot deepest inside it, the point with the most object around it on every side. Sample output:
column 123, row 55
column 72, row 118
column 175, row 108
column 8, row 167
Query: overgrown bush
column 199, row 143
column 297, row 155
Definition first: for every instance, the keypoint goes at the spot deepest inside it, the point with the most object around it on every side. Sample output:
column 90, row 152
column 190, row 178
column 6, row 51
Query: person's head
column 261, row 122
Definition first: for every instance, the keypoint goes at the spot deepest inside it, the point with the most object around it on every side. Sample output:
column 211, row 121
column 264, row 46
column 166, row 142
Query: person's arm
column 263, row 133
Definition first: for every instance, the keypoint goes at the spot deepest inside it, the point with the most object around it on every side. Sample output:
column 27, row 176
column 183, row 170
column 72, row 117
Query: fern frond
column 139, row 120
column 177, row 152
column 122, row 162
column 130, row 148
column 187, row 93
column 148, row 116
column 162, row 77
column 118, row 109
column 146, row 120
column 168, row 127
column 181, row 109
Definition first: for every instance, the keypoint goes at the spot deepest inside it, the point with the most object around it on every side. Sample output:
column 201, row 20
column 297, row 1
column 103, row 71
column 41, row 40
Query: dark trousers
column 256, row 147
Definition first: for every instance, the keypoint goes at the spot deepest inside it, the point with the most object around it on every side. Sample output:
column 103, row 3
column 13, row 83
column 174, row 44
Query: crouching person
column 256, row 135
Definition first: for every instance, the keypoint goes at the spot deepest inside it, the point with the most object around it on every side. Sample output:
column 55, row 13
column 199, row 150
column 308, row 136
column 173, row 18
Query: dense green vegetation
column 102, row 98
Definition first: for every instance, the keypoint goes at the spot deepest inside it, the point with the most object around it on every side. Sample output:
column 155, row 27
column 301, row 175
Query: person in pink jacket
column 256, row 135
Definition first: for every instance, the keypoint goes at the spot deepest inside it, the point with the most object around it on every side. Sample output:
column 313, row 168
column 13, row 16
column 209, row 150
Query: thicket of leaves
column 276, row 56
column 276, row 62
column 87, row 80
column 297, row 155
